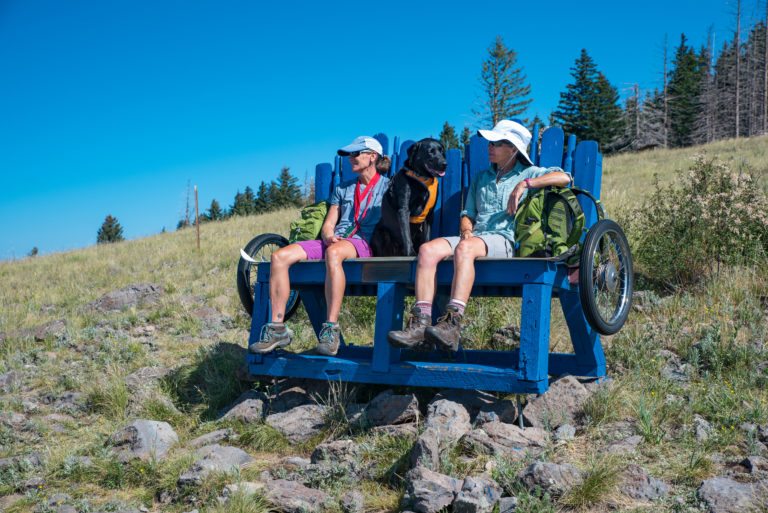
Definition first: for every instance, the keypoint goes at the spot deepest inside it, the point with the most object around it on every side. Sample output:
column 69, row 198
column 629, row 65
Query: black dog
column 408, row 204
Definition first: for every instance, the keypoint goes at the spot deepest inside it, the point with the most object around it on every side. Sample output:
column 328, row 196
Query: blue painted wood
column 403, row 153
column 568, row 158
column 450, row 196
column 478, row 156
column 323, row 181
column 534, row 150
column 590, row 358
column 336, row 172
column 346, row 171
column 390, row 300
column 534, row 331
column 384, row 140
column 588, row 175
column 552, row 147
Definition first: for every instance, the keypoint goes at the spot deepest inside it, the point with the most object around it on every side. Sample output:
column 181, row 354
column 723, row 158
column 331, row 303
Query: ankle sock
column 425, row 307
column 459, row 305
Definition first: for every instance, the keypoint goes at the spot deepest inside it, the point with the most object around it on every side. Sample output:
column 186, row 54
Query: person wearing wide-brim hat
column 486, row 228
column 354, row 211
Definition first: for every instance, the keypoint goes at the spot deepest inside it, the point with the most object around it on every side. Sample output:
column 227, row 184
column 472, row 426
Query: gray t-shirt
column 370, row 210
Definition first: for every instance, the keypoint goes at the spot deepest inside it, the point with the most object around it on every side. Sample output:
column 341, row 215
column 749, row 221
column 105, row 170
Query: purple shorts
column 315, row 249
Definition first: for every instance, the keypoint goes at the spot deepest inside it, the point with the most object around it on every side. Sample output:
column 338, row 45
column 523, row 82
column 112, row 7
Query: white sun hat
column 362, row 143
column 512, row 131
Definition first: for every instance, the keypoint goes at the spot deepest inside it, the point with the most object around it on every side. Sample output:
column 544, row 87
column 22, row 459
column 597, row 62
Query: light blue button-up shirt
column 487, row 200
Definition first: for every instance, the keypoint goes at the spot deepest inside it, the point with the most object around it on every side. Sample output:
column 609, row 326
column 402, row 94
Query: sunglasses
column 497, row 144
column 357, row 153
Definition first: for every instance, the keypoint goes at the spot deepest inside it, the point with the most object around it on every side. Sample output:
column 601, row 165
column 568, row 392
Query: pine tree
column 33, row 252
column 263, row 201
column 288, row 190
column 245, row 203
column 505, row 87
column 589, row 106
column 214, row 211
column 110, row 231
column 466, row 134
column 448, row 137
column 685, row 83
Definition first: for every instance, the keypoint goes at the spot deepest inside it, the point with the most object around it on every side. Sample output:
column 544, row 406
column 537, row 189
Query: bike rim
column 610, row 277
column 264, row 254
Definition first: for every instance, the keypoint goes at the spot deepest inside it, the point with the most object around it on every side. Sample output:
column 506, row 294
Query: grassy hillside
column 696, row 354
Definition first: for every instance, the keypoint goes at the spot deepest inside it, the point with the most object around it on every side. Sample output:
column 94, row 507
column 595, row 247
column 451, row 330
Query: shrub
column 715, row 216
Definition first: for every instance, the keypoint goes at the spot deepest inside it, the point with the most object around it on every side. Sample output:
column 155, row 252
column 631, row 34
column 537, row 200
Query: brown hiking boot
column 446, row 334
column 412, row 337
column 329, row 339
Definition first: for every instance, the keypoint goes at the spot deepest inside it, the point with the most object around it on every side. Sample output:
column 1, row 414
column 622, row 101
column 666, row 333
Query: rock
column 508, row 440
column 293, row 497
column 508, row 504
column 508, row 335
column 429, row 492
column 246, row 488
column 565, row 432
column 29, row 406
column 300, row 423
column 339, row 452
column 478, row 495
column 724, row 495
column 403, row 430
column 755, row 464
column 140, row 294
column 248, row 408
column 295, row 462
column 13, row 419
column 625, row 446
column 638, row 485
column 66, row 508
column 10, row 500
column 553, row 478
column 214, row 437
column 143, row 331
column 146, row 377
column 643, row 300
column 702, row 428
column 446, row 423
column 22, row 462
column 58, row 499
column 10, row 381
column 353, row 502
column 54, row 330
column 559, row 405
column 34, row 483
column 214, row 458
column 389, row 408
column 482, row 406
column 289, row 399
column 762, row 433
column 426, row 451
column 211, row 318
column 144, row 439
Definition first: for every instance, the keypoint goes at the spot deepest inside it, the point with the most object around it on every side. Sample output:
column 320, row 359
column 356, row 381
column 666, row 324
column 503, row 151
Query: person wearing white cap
column 486, row 228
column 355, row 209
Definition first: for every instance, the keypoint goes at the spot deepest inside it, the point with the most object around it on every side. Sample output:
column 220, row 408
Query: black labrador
column 408, row 204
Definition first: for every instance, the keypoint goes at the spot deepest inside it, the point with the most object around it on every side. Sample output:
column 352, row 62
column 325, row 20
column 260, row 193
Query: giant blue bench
column 390, row 280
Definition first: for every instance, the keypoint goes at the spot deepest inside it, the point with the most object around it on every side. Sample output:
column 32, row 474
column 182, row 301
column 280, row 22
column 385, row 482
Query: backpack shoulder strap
column 597, row 202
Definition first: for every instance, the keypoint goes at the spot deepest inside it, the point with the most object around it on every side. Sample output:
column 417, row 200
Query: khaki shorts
column 497, row 245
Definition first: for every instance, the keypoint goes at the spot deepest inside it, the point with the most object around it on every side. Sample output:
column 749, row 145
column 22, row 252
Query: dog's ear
column 413, row 148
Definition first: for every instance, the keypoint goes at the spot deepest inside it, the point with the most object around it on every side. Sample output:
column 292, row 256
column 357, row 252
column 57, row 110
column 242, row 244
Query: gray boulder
column 390, row 408
column 338, row 452
column 214, row 458
column 638, row 485
column 289, row 399
column 508, row 440
column 403, row 430
column 143, row 439
column 146, row 377
column 293, row 497
column 140, row 294
column 353, row 502
column 624, row 447
column 478, row 495
column 429, row 492
column 559, row 405
column 702, row 428
column 248, row 408
column 54, row 330
column 214, row 437
column 553, row 478
column 565, row 432
column 446, row 423
column 300, row 423
column 724, row 495
column 10, row 381
column 507, row 504
column 756, row 464
column 482, row 406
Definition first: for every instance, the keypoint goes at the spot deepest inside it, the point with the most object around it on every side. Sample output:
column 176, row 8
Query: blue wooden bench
column 535, row 280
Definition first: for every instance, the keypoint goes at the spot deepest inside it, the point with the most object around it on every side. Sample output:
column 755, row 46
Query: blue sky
column 111, row 107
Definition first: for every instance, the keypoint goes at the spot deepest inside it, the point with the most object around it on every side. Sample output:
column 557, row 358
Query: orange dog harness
column 431, row 185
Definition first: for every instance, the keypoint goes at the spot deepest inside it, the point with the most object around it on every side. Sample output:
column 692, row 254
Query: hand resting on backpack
column 556, row 178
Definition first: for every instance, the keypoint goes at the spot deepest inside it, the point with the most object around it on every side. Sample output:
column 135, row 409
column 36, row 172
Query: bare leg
column 430, row 254
column 279, row 284
column 464, row 267
column 335, row 280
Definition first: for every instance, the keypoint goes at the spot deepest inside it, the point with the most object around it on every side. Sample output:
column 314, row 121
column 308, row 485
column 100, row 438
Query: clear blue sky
column 110, row 107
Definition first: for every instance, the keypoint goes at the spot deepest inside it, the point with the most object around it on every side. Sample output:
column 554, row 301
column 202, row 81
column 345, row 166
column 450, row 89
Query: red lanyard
column 359, row 198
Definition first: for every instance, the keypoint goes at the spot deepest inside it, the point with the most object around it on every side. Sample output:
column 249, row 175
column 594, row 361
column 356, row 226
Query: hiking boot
column 329, row 339
column 412, row 337
column 273, row 335
column 446, row 334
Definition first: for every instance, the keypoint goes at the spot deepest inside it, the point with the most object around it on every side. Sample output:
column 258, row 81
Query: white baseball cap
column 512, row 131
column 362, row 143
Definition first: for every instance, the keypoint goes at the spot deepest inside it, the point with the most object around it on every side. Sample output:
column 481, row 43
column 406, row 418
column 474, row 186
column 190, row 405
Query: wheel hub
column 608, row 277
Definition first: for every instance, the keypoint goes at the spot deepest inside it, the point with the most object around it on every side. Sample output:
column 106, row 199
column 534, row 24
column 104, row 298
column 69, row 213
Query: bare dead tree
column 765, row 73
column 737, row 45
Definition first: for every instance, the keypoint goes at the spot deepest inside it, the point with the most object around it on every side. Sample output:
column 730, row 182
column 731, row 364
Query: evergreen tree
column 448, row 137
column 214, row 211
column 273, row 193
column 589, row 106
column 650, row 131
column 505, row 87
column 263, row 201
column 466, row 134
column 33, row 252
column 288, row 190
column 110, row 231
column 245, row 203
column 685, row 83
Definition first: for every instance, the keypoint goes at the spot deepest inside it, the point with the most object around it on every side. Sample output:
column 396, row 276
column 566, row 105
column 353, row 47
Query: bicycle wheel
column 605, row 277
column 260, row 249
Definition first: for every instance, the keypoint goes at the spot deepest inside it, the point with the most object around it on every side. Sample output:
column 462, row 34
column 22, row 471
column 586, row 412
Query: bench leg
column 260, row 315
column 534, row 332
column 590, row 359
column 390, row 302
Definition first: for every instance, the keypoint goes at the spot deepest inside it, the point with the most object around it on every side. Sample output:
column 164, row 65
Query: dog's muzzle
column 435, row 172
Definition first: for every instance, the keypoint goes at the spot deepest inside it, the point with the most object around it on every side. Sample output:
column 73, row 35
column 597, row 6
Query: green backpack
column 308, row 226
column 550, row 223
